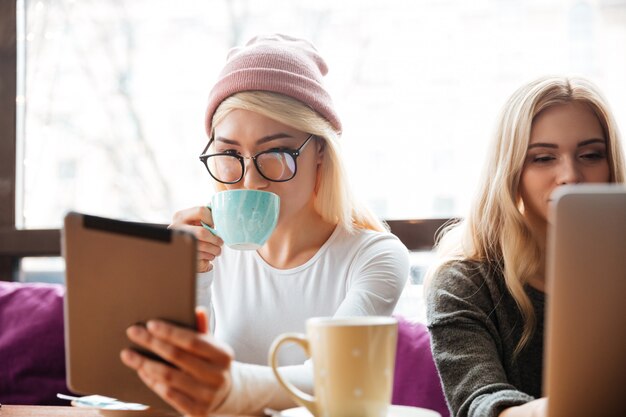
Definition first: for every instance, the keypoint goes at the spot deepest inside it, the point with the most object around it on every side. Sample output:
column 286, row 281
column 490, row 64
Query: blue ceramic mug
column 244, row 219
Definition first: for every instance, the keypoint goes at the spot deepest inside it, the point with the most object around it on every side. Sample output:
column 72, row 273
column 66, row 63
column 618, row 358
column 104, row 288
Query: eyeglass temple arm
column 206, row 147
column 297, row 151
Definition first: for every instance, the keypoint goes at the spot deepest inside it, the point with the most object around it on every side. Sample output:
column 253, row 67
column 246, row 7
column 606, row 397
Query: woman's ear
column 321, row 147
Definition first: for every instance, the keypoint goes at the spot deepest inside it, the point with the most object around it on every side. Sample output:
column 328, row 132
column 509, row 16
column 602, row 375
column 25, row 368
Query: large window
column 110, row 97
column 114, row 92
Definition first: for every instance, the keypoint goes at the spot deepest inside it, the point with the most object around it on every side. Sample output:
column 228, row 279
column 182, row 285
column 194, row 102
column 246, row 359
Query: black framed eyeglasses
column 277, row 164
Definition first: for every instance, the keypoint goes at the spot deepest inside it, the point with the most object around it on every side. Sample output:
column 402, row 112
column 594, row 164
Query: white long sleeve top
column 251, row 303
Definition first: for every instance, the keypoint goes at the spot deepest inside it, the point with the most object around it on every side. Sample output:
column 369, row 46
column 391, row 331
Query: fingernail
column 154, row 326
column 136, row 332
column 129, row 357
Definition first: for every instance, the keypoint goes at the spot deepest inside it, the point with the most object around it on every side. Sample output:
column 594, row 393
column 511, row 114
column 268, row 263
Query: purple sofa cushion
column 416, row 380
column 32, row 358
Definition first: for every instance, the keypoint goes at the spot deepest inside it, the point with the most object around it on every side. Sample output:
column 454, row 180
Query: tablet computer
column 118, row 274
column 585, row 362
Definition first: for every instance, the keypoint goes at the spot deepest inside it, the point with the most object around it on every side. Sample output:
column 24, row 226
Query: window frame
column 14, row 243
column 8, row 72
column 416, row 234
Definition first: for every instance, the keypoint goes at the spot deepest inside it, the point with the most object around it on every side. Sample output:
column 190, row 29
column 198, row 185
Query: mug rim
column 247, row 190
column 352, row 321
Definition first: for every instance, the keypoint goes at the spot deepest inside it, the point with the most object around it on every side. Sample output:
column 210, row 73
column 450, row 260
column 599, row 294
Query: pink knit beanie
column 276, row 63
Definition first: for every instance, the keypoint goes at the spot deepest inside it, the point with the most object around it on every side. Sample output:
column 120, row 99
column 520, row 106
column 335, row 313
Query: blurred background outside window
column 111, row 94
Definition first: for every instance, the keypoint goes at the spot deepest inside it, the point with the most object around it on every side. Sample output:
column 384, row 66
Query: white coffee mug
column 353, row 364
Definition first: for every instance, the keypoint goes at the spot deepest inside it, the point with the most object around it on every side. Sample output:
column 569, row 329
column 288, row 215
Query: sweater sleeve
column 379, row 272
column 255, row 388
column 466, row 345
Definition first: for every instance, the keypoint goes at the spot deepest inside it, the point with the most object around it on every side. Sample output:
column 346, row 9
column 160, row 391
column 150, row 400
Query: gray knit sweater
column 475, row 326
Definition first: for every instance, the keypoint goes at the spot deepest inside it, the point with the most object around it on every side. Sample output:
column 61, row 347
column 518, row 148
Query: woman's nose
column 252, row 179
column 569, row 172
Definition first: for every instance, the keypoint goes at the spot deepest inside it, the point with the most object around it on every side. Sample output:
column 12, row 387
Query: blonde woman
column 486, row 295
column 328, row 256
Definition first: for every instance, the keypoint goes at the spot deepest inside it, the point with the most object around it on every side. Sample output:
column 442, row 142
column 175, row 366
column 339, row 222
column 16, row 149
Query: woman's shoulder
column 467, row 271
column 466, row 279
column 366, row 241
column 362, row 236
column 460, row 290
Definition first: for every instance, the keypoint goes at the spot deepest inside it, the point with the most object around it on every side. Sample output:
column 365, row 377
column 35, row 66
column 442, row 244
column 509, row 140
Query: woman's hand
column 202, row 380
column 535, row 408
column 209, row 245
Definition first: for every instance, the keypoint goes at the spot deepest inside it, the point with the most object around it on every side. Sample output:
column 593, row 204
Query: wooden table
column 45, row 411
column 53, row 411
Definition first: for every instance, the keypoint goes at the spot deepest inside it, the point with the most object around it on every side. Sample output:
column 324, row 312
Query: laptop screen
column 585, row 361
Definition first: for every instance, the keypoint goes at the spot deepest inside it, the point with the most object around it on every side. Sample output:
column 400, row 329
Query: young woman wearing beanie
column 328, row 255
column 485, row 301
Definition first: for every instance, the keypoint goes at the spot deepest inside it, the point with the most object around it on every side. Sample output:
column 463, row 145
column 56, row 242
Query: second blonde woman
column 486, row 296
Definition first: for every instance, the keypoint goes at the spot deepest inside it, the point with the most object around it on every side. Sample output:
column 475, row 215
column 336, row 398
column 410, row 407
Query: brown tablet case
column 118, row 274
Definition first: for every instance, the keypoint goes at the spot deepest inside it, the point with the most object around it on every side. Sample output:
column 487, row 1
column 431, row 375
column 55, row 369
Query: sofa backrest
column 32, row 358
column 416, row 380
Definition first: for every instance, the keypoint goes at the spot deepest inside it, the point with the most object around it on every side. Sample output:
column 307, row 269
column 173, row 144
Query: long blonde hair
column 496, row 231
column 333, row 200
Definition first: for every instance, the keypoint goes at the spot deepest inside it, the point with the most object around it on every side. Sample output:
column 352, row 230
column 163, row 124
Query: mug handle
column 209, row 228
column 298, row 395
column 206, row 226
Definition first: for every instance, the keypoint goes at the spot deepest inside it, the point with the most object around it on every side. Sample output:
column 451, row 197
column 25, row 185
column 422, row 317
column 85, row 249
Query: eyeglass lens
column 276, row 166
